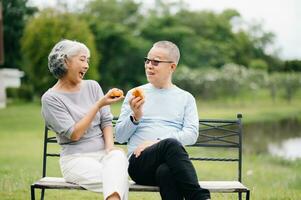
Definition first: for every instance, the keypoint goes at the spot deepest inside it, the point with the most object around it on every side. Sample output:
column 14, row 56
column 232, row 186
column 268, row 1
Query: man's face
column 159, row 67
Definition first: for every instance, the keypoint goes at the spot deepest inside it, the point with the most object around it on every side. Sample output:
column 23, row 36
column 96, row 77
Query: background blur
column 236, row 57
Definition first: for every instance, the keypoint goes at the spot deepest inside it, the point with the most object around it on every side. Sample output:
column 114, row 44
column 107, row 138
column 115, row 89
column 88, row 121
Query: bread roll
column 116, row 93
column 138, row 92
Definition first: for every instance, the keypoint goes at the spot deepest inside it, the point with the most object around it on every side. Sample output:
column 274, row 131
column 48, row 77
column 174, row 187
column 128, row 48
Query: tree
column 42, row 32
column 204, row 37
column 115, row 26
column 292, row 65
column 122, row 63
column 122, row 12
column 15, row 15
column 207, row 38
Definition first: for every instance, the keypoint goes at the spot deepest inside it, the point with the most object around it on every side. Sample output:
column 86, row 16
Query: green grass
column 21, row 140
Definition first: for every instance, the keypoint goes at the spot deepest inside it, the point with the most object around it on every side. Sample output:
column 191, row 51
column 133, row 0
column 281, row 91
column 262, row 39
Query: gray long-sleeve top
column 62, row 110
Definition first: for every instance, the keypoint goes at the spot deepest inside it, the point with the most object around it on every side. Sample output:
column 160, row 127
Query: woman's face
column 77, row 67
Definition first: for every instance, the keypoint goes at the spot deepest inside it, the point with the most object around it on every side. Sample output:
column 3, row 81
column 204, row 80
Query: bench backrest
column 213, row 133
column 223, row 134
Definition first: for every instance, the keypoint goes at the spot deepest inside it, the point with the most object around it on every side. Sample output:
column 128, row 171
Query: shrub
column 25, row 92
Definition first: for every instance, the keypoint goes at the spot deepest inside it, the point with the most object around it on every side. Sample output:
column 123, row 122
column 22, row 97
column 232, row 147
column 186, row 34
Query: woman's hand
column 112, row 96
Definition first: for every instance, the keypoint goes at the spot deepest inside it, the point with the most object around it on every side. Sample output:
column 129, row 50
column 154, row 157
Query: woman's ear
column 66, row 61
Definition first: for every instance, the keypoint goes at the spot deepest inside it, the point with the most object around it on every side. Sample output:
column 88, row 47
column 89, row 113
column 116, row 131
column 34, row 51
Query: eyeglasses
column 155, row 62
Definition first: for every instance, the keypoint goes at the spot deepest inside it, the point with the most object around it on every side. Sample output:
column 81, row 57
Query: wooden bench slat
column 56, row 183
column 213, row 186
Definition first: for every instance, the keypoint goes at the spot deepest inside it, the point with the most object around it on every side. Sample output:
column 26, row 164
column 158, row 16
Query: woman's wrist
column 100, row 103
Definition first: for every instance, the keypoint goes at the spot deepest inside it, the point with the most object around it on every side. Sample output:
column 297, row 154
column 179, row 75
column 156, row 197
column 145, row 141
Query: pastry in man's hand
column 138, row 92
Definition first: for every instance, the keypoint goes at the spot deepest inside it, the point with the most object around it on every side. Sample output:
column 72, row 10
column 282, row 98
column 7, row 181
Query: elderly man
column 157, row 124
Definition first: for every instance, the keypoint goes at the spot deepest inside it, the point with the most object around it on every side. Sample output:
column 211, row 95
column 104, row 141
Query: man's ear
column 173, row 66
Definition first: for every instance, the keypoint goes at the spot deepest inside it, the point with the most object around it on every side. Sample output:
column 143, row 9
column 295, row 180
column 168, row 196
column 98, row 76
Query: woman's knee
column 118, row 155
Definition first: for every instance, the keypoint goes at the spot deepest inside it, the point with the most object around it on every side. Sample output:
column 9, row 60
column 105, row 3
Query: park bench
column 214, row 133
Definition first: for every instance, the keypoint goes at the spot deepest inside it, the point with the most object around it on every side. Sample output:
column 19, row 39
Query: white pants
column 98, row 172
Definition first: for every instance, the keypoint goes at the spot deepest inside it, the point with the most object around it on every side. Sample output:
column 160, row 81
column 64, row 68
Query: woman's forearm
column 108, row 137
column 82, row 125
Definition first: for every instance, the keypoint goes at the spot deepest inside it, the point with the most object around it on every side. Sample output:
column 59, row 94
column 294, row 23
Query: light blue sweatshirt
column 167, row 113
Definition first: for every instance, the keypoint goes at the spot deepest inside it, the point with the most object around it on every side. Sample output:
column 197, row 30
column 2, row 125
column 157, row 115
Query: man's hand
column 136, row 104
column 143, row 146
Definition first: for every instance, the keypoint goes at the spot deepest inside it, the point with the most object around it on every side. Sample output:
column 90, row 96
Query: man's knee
column 171, row 142
column 171, row 146
column 163, row 173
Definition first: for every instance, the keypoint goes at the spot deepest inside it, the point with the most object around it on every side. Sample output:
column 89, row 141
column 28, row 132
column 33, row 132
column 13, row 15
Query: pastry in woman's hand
column 115, row 93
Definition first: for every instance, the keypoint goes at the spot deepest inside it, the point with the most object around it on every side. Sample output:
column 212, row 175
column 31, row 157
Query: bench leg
column 239, row 195
column 248, row 195
column 32, row 193
column 42, row 193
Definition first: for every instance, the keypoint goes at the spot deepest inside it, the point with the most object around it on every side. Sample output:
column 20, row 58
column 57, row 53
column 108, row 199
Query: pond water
column 279, row 139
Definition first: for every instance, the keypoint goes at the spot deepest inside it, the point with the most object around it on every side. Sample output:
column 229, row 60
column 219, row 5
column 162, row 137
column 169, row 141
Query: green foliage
column 15, row 15
column 123, row 35
column 113, row 24
column 292, row 65
column 286, row 84
column 203, row 37
column 208, row 39
column 42, row 32
column 122, row 63
column 258, row 64
column 25, row 92
column 115, row 11
column 212, row 83
column 233, row 80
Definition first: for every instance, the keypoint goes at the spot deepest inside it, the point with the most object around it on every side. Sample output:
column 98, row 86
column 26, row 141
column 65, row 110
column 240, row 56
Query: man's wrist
column 134, row 120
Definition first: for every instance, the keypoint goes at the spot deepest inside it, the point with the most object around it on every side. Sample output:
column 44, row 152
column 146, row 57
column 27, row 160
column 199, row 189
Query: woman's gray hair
column 174, row 52
column 60, row 52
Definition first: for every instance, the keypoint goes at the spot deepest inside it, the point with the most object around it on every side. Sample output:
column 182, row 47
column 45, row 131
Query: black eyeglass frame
column 155, row 62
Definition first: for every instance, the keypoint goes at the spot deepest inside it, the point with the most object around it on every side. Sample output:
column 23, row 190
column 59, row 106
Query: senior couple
column 156, row 127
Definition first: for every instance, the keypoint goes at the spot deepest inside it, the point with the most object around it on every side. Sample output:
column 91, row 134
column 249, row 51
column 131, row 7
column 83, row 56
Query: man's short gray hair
column 60, row 52
column 172, row 48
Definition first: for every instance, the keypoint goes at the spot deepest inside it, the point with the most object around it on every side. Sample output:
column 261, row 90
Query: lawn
column 21, row 138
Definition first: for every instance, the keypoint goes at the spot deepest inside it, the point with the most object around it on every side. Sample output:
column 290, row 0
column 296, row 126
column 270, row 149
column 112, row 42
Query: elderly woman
column 79, row 113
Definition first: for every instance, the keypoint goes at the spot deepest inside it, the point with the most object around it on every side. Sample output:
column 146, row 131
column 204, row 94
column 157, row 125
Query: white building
column 8, row 78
